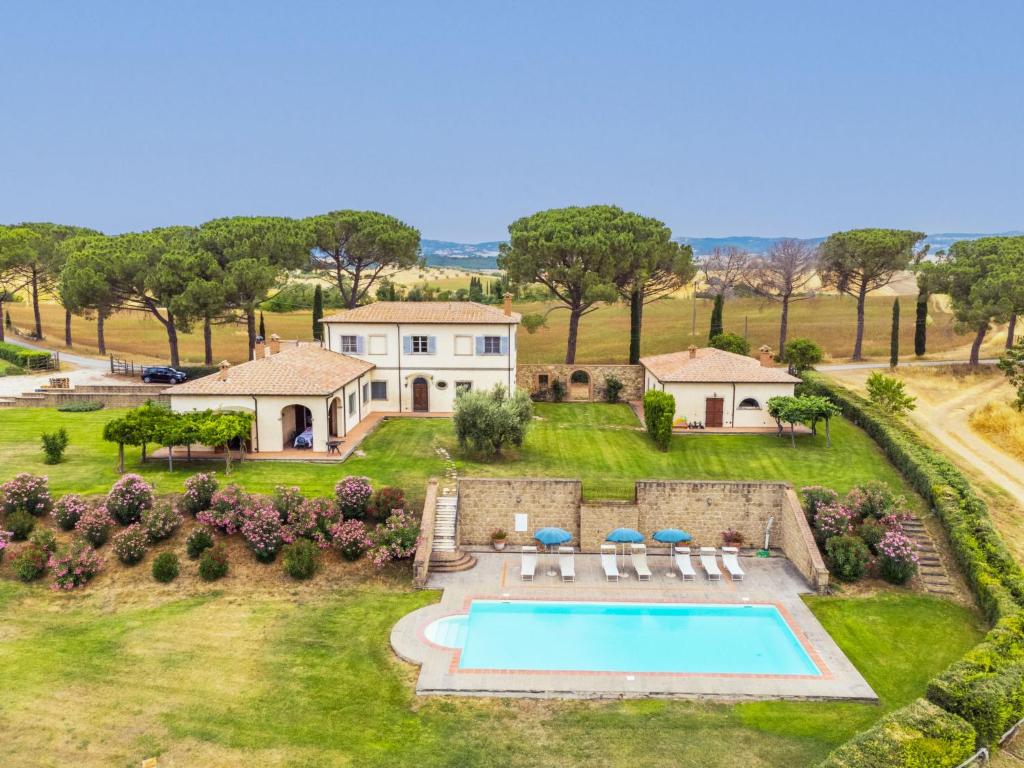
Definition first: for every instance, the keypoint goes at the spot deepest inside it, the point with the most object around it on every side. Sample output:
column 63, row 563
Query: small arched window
column 580, row 377
column 749, row 404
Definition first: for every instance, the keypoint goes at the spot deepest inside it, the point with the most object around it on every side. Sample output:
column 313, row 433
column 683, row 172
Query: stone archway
column 580, row 385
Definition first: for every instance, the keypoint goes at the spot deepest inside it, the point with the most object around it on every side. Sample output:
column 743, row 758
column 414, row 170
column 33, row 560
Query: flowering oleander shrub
column 395, row 539
column 129, row 498
column 199, row 540
column 5, row 540
column 327, row 515
column 94, row 525
column 226, row 511
column 349, row 537
column 896, row 520
column 300, row 559
column 26, row 493
column 832, row 520
column 353, row 495
column 286, row 500
column 213, row 564
column 130, row 544
column 873, row 499
column 166, row 567
column 872, row 532
column 848, row 556
column 312, row 520
column 897, row 557
column 384, row 501
column 817, row 496
column 75, row 567
column 20, row 524
column 160, row 521
column 199, row 490
column 45, row 538
column 262, row 530
column 68, row 509
column 30, row 562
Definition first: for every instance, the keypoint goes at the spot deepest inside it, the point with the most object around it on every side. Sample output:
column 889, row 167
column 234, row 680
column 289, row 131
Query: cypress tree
column 921, row 324
column 894, row 340
column 716, row 317
column 318, row 313
column 263, row 328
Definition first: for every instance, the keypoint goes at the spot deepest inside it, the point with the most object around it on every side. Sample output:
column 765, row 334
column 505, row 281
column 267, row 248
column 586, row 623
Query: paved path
column 911, row 363
column 92, row 363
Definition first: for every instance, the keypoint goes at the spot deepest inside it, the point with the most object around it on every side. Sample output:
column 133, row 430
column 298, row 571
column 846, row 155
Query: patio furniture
column 684, row 564
column 671, row 536
column 334, row 445
column 640, row 562
column 567, row 563
column 707, row 561
column 611, row 570
column 731, row 561
column 624, row 536
column 552, row 537
column 528, row 563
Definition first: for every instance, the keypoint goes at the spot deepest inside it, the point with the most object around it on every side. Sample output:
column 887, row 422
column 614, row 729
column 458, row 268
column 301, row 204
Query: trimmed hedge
column 920, row 735
column 197, row 371
column 659, row 412
column 23, row 358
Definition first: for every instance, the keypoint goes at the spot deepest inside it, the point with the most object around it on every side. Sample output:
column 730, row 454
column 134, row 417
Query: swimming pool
column 624, row 637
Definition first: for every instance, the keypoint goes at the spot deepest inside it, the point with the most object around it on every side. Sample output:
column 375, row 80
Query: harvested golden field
column 1003, row 425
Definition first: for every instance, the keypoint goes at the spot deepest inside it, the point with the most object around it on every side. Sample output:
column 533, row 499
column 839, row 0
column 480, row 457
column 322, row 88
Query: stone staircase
column 127, row 395
column 446, row 556
column 930, row 567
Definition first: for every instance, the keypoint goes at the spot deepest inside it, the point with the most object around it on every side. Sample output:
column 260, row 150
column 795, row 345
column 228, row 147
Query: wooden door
column 419, row 395
column 714, row 407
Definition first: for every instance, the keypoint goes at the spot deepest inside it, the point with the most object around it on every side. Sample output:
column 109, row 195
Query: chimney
column 508, row 305
column 766, row 356
column 260, row 350
column 275, row 343
column 223, row 374
column 693, row 351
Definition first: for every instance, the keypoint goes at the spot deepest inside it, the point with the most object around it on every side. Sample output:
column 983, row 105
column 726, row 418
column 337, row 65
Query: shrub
column 5, row 540
column 558, row 391
column 612, row 388
column 801, row 354
column 26, row 493
column 395, row 539
column 213, row 564
column 94, row 525
column 871, row 532
column 160, row 521
column 199, row 540
column 129, row 498
column 81, row 406
column 30, row 562
column 75, row 567
column 130, row 544
column 44, row 538
column 22, row 357
column 286, row 501
column 873, row 499
column 730, row 342
column 897, row 557
column 262, row 531
column 226, row 510
column 889, row 394
column 312, row 520
column 68, row 509
column 300, row 559
column 832, row 520
column 385, row 500
column 732, row 538
column 54, row 445
column 199, row 490
column 353, row 494
column 20, row 524
column 848, row 557
column 166, row 567
column 350, row 539
column 488, row 420
column 659, row 411
column 816, row 496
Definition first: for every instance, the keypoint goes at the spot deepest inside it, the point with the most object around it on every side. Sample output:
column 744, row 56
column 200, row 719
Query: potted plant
column 732, row 538
column 498, row 538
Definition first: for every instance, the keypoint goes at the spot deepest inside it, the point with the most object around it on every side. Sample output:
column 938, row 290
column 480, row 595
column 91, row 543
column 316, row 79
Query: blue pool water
column 623, row 637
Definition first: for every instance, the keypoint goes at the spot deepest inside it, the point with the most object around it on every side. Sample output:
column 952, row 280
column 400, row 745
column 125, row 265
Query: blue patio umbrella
column 551, row 537
column 625, row 536
column 671, row 536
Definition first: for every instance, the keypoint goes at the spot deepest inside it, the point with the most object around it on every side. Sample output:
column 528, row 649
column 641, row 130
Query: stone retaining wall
column 631, row 376
column 421, row 561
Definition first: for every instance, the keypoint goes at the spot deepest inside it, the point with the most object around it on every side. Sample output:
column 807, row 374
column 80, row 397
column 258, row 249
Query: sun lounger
column 707, row 561
column 611, row 570
column 640, row 562
column 528, row 564
column 567, row 563
column 684, row 564
column 731, row 561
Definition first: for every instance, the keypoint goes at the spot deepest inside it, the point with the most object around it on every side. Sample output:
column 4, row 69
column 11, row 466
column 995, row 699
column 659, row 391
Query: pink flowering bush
column 130, row 544
column 832, row 520
column 312, row 519
column 349, row 537
column 262, row 529
column 5, row 539
column 199, row 490
column 68, row 509
column 129, row 498
column 396, row 539
column 897, row 557
column 873, row 499
column 815, row 496
column 160, row 521
column 26, row 493
column 94, row 525
column 226, row 511
column 896, row 520
column 286, row 500
column 75, row 567
column 353, row 495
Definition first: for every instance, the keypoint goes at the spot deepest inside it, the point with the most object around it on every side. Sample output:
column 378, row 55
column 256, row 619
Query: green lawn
column 224, row 677
column 598, row 443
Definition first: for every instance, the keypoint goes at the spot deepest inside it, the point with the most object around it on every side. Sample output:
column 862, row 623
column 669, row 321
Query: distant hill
column 474, row 256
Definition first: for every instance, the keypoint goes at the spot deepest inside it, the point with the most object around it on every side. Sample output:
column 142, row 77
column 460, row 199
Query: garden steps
column 930, row 568
column 446, row 556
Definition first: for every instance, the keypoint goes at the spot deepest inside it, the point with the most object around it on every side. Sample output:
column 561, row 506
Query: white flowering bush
column 94, row 525
column 26, row 493
column 198, row 495
column 68, row 509
column 130, row 544
column 129, row 498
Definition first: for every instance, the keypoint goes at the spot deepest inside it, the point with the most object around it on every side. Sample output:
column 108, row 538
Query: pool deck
column 496, row 576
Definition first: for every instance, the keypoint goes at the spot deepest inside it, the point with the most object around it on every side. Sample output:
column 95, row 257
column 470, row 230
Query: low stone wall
column 487, row 503
column 797, row 543
column 421, row 561
column 631, row 376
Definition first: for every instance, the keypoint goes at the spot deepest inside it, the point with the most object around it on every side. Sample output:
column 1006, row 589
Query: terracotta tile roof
column 307, row 369
column 423, row 312
column 714, row 365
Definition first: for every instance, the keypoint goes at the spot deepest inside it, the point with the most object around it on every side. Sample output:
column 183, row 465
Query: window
column 420, row 345
column 749, row 404
column 379, row 390
column 349, row 345
column 351, row 403
column 542, row 380
column 366, row 392
column 463, row 345
column 441, row 384
column 492, row 345
column 463, row 386
column 378, row 344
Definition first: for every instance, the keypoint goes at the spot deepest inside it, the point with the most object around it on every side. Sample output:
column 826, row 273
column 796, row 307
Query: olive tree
column 489, row 420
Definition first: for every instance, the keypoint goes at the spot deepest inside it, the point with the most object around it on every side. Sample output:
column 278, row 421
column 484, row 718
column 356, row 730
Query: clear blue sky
column 768, row 118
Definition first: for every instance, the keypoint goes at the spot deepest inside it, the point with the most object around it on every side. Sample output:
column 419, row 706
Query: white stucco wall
column 691, row 400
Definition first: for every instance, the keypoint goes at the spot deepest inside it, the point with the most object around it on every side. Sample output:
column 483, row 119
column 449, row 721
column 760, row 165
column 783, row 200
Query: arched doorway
column 334, row 417
column 297, row 426
column 579, row 386
column 420, row 394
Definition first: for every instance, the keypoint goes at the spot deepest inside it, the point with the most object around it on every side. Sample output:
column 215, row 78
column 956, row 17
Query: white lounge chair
column 731, row 561
column 567, row 563
column 639, row 554
column 611, row 570
column 684, row 564
column 528, row 563
column 707, row 561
